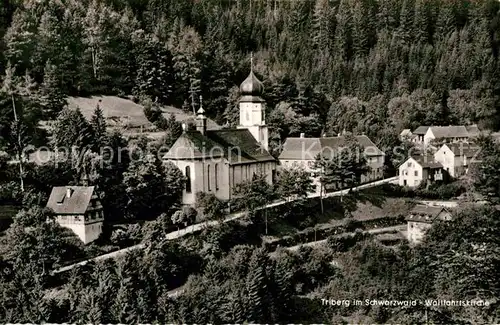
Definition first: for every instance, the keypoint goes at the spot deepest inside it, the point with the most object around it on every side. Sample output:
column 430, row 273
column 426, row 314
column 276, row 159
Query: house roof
column 463, row 149
column 421, row 130
column 451, row 131
column 427, row 162
column 309, row 148
column 77, row 203
column 425, row 213
column 405, row 132
column 473, row 130
column 238, row 146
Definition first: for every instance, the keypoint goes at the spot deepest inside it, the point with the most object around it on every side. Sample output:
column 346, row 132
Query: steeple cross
column 251, row 61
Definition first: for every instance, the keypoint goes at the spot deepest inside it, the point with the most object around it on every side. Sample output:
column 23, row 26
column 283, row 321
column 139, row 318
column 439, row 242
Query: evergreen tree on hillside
column 360, row 31
column 98, row 125
column 343, row 31
column 321, row 25
column 71, row 129
column 155, row 76
column 53, row 100
column 256, row 287
column 187, row 66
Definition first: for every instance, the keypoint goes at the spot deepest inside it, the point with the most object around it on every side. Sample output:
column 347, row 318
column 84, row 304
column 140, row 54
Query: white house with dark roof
column 214, row 161
column 420, row 220
column 456, row 157
column 417, row 170
column 302, row 152
column 79, row 209
column 419, row 133
column 446, row 134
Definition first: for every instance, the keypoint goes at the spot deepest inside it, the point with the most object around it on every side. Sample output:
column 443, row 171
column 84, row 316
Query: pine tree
column 98, row 124
column 446, row 21
column 321, row 37
column 53, row 100
column 256, row 287
column 284, row 290
column 388, row 15
column 421, row 22
column 71, row 129
column 360, row 30
column 406, row 22
column 187, row 66
column 155, row 75
column 343, row 30
column 94, row 33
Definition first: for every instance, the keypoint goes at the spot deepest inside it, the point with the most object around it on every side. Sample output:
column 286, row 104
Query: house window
column 188, row 179
column 416, row 173
column 216, row 167
column 208, row 176
column 409, row 164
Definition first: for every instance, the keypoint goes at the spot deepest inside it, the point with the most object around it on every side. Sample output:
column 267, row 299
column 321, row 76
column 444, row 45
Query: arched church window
column 216, row 167
column 188, row 179
column 208, row 176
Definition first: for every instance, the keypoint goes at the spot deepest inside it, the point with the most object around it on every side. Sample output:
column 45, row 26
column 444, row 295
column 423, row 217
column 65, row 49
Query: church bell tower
column 252, row 108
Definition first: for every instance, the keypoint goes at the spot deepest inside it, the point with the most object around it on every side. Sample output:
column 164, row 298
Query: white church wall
column 188, row 197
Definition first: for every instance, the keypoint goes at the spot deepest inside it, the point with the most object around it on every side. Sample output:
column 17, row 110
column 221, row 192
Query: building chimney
column 302, row 135
column 69, row 191
column 201, row 119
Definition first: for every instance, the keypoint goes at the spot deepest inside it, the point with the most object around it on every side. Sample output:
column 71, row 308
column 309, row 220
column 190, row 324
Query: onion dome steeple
column 251, row 88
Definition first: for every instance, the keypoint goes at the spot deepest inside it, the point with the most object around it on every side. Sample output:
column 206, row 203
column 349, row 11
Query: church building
column 214, row 161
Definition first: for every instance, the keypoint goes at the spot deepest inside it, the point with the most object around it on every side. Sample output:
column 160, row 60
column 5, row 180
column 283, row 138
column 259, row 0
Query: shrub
column 433, row 192
column 130, row 235
column 308, row 235
column 353, row 224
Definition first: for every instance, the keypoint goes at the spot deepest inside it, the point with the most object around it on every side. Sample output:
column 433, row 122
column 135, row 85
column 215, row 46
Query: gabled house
column 419, row 133
column 456, row 157
column 417, row 170
column 79, row 209
column 450, row 134
column 302, row 152
column 420, row 219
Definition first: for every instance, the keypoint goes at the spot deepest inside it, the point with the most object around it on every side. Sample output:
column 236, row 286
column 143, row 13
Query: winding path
column 206, row 224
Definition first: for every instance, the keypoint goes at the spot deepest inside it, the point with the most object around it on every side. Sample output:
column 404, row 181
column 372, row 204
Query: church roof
column 194, row 145
column 309, row 148
column 251, row 88
column 77, row 203
column 238, row 146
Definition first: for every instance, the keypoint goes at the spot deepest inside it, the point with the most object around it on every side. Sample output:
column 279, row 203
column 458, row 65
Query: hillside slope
column 127, row 116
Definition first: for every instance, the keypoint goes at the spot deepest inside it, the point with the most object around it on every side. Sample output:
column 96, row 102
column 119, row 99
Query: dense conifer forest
column 364, row 66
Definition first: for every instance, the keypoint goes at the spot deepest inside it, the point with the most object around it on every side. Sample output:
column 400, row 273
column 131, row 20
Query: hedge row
column 434, row 192
column 344, row 243
column 308, row 235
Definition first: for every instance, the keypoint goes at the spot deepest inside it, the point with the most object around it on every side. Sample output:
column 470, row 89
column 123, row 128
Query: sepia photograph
column 250, row 162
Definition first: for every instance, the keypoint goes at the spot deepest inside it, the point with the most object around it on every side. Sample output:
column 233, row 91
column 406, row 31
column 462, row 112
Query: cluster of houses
column 215, row 160
column 445, row 152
